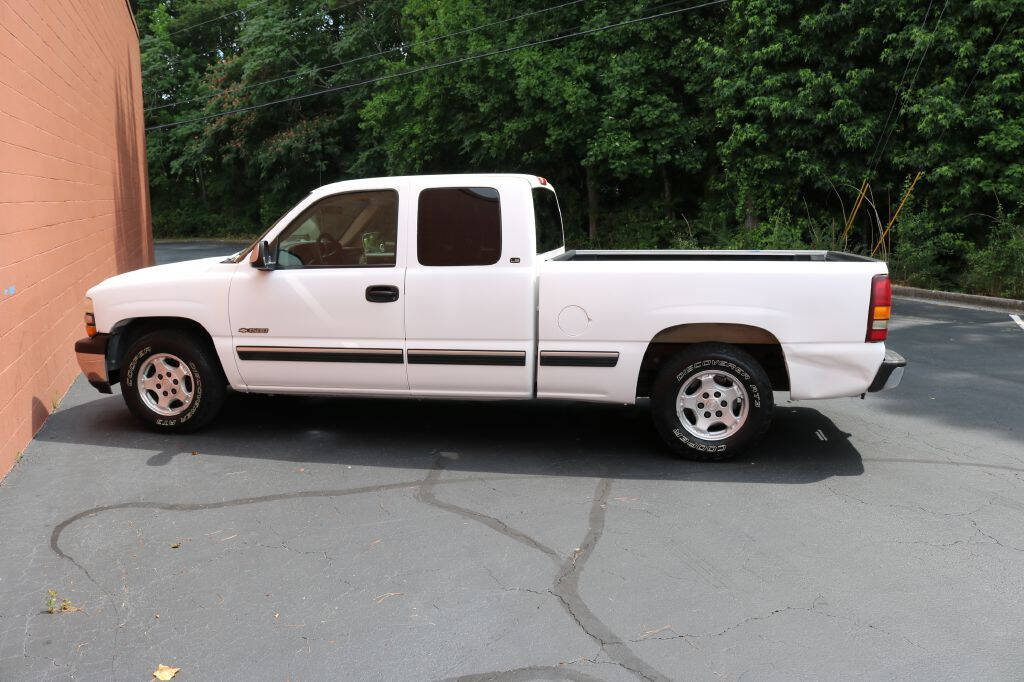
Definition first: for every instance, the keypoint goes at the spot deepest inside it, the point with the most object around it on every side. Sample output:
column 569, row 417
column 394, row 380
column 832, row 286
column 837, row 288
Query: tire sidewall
column 146, row 347
column 679, row 372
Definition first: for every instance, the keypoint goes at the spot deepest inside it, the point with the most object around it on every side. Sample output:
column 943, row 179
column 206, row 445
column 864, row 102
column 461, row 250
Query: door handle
column 381, row 293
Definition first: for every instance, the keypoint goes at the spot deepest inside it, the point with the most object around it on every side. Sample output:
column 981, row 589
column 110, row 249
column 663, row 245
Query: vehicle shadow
column 522, row 438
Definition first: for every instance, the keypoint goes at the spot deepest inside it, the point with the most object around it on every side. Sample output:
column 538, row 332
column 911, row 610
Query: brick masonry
column 74, row 202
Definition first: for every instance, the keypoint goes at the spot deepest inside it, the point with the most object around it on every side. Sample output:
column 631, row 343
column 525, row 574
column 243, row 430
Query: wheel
column 711, row 401
column 172, row 382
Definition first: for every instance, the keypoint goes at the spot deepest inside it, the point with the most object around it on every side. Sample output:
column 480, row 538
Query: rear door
column 470, row 289
column 330, row 317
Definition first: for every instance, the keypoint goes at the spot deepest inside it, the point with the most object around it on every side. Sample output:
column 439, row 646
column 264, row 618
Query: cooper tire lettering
column 677, row 370
column 209, row 386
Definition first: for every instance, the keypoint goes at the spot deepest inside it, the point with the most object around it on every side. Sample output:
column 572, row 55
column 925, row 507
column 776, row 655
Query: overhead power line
column 896, row 95
column 913, row 82
column 438, row 65
column 223, row 16
column 364, row 57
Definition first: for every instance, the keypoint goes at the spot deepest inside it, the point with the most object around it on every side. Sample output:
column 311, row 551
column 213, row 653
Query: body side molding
column 565, row 358
column 514, row 358
column 302, row 354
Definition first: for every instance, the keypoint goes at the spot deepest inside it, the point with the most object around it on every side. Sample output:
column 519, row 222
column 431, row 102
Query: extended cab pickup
column 459, row 286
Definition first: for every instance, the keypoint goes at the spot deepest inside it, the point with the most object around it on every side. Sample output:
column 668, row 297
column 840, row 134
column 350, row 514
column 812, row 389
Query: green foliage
column 747, row 124
column 998, row 269
column 926, row 255
column 780, row 231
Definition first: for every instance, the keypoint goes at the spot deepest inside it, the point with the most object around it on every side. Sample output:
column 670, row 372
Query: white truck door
column 330, row 316
column 470, row 290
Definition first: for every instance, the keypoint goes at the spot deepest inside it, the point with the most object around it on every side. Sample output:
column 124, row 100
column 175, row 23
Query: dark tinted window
column 548, row 219
column 354, row 229
column 459, row 226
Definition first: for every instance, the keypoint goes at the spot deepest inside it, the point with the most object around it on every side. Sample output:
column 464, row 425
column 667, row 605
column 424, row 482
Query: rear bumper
column 890, row 373
column 92, row 358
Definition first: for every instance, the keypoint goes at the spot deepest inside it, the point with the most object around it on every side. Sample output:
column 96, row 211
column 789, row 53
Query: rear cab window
column 459, row 226
column 548, row 220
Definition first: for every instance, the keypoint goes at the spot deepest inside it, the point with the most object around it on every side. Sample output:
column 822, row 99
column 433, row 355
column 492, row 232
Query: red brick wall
column 74, row 202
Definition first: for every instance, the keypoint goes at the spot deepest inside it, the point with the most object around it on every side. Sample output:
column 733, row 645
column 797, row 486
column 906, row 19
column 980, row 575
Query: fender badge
column 253, row 330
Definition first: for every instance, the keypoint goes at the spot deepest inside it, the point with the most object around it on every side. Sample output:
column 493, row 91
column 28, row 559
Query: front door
column 330, row 317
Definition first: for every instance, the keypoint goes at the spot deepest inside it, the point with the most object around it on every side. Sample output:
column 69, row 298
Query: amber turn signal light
column 90, row 318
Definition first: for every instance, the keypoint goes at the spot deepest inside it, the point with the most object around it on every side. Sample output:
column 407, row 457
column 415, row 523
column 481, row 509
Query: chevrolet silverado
column 460, row 286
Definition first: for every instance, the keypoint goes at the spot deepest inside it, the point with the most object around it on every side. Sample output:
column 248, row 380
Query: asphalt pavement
column 307, row 539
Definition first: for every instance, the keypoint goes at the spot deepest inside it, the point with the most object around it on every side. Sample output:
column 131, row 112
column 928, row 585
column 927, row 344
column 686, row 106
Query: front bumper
column 890, row 373
column 92, row 358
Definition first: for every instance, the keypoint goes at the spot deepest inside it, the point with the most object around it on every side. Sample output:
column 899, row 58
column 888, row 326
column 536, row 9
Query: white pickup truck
column 459, row 286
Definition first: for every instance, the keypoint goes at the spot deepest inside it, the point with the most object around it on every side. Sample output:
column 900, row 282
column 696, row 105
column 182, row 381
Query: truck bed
column 711, row 255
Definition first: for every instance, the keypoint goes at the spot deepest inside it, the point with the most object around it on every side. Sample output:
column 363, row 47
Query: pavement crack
column 565, row 585
column 816, row 608
column 425, row 494
column 533, row 672
column 59, row 529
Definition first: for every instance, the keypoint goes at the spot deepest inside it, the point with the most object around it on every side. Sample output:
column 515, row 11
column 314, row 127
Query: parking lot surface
column 304, row 539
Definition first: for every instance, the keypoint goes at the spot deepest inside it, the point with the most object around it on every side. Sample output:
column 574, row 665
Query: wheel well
column 124, row 333
column 760, row 343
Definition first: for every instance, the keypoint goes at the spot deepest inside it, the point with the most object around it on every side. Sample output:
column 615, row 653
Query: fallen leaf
column 157, row 615
column 176, row 545
column 67, row 607
column 388, row 595
column 165, row 672
column 651, row 633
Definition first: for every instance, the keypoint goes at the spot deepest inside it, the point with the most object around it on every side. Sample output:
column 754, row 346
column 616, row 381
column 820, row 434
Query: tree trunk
column 202, row 183
column 666, row 189
column 592, row 204
column 751, row 220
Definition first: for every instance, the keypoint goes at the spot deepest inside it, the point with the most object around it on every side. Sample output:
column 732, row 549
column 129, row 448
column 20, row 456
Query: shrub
column 998, row 268
column 781, row 231
column 923, row 255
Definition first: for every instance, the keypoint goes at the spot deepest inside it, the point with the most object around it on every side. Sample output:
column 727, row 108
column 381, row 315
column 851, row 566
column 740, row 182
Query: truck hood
column 171, row 272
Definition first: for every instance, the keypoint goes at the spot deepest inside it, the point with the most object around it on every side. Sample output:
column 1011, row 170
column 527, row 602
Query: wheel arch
column 759, row 342
column 125, row 332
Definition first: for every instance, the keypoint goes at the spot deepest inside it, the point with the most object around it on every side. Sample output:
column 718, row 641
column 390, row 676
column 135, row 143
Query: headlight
column 90, row 318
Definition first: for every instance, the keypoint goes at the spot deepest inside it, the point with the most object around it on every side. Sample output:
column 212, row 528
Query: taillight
column 879, row 308
column 90, row 318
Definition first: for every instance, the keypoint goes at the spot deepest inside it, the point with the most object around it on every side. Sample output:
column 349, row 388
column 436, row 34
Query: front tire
column 711, row 401
column 172, row 382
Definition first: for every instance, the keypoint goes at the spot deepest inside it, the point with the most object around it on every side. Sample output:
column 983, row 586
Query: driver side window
column 355, row 229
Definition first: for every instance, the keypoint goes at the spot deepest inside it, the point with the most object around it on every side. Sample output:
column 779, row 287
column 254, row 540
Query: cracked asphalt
column 305, row 539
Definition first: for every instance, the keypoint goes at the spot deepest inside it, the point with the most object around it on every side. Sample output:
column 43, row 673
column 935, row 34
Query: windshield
column 238, row 257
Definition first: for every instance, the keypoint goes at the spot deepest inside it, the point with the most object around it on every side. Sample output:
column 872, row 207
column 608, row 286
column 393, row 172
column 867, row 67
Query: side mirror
column 260, row 257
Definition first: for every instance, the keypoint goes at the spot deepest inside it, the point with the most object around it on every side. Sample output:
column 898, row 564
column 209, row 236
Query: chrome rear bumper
column 890, row 373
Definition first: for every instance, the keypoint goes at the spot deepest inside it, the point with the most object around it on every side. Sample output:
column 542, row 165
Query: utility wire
column 896, row 95
column 981, row 61
column 223, row 16
column 913, row 82
column 438, row 65
column 403, row 46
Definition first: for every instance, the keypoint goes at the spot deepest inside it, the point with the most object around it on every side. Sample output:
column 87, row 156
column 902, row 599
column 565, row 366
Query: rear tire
column 711, row 401
column 172, row 381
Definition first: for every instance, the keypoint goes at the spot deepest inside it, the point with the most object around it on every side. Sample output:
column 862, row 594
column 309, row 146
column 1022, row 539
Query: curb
column 1003, row 304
